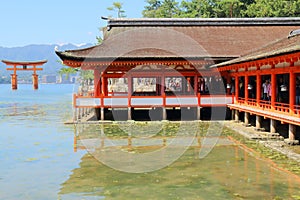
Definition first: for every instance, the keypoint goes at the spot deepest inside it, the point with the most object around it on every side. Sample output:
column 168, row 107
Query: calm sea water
column 36, row 153
column 38, row 160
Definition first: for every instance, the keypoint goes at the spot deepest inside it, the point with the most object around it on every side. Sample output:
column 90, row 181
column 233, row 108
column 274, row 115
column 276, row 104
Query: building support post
column 292, row 135
column 272, row 126
column 292, row 132
column 198, row 113
column 246, row 119
column 129, row 116
column 258, row 122
column 102, row 118
column 75, row 115
column 164, row 113
column 236, row 116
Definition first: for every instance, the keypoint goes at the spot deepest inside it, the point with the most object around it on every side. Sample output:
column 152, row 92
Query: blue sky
column 26, row 22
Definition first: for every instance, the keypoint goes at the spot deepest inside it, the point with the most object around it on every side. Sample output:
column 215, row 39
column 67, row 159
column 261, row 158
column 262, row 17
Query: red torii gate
column 24, row 64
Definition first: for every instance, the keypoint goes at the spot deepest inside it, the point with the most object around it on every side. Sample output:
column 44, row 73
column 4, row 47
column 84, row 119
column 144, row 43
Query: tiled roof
column 219, row 39
column 288, row 44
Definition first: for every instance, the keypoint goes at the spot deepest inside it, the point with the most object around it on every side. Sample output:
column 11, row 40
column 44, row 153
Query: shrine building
column 191, row 66
column 277, row 66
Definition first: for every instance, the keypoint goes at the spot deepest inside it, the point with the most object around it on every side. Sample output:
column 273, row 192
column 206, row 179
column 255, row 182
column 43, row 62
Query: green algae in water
column 187, row 178
column 264, row 152
column 228, row 172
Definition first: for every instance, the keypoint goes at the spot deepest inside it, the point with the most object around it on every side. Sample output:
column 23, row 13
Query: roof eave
column 271, row 21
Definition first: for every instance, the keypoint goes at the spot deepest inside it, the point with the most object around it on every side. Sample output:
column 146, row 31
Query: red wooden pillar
column 188, row 87
column 246, row 88
column 130, row 92
column 228, row 84
column 292, row 91
column 14, row 81
column 104, row 85
column 196, row 84
column 130, row 85
column 258, row 89
column 35, row 81
column 162, row 85
column 237, row 87
column 97, row 83
column 184, row 85
column 163, row 94
column 75, row 143
column 157, row 86
column 273, row 90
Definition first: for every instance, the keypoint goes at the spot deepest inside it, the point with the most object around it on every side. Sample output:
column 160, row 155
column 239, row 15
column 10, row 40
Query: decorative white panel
column 216, row 100
column 147, row 101
column 116, row 101
column 182, row 101
column 88, row 102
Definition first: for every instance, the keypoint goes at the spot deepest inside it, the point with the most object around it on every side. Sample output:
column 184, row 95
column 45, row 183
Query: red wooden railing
column 282, row 108
column 174, row 101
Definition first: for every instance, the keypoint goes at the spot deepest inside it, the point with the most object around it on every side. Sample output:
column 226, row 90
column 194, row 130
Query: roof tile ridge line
column 207, row 18
column 164, row 21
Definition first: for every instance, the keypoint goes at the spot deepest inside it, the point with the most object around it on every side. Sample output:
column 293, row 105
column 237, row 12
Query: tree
column 151, row 9
column 161, row 9
column 270, row 8
column 228, row 8
column 118, row 7
column 169, row 9
column 222, row 8
column 67, row 71
column 196, row 8
column 99, row 38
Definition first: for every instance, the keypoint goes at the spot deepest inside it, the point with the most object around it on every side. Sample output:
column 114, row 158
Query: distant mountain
column 36, row 52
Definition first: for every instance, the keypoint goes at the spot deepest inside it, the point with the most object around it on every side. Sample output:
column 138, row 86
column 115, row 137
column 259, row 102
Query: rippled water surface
column 41, row 158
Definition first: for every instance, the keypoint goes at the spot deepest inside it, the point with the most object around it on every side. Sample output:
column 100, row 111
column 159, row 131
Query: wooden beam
column 21, row 69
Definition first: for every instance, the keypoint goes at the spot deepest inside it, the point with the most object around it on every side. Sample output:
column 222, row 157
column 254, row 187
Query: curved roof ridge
column 83, row 49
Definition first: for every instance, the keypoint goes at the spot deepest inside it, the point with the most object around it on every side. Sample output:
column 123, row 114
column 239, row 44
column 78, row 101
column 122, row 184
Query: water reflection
column 228, row 172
